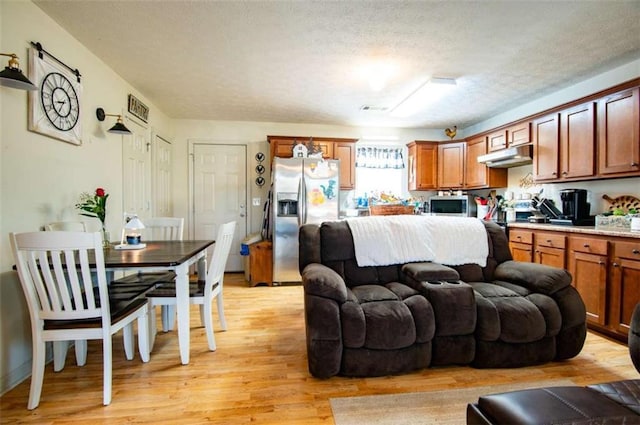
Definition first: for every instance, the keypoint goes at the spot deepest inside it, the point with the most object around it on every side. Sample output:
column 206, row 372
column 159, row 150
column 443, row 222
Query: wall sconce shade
column 118, row 128
column 13, row 77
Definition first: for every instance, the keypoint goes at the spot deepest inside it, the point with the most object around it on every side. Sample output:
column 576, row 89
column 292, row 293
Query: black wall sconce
column 13, row 77
column 118, row 128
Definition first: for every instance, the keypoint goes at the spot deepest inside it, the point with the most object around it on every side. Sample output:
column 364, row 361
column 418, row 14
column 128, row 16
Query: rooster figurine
column 451, row 132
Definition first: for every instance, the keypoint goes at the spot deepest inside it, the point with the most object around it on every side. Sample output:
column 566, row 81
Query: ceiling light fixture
column 13, row 77
column 118, row 128
column 430, row 91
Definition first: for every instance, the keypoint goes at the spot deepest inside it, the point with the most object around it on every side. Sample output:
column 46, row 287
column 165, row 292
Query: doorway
column 218, row 192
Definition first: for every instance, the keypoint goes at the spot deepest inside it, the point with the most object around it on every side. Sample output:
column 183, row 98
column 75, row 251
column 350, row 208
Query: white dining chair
column 65, row 305
column 201, row 293
column 67, row 226
column 163, row 229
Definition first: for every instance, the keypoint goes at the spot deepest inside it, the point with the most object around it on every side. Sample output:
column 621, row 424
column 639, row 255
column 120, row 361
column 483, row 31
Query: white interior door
column 162, row 204
column 136, row 163
column 220, row 194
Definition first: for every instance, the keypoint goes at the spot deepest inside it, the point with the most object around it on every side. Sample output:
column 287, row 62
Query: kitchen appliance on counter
column 454, row 205
column 575, row 208
column 305, row 190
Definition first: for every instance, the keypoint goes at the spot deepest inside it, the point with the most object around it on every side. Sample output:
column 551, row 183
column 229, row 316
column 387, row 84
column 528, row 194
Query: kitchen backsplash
column 595, row 188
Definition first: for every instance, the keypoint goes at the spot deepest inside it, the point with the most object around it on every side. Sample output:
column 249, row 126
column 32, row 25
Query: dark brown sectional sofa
column 381, row 320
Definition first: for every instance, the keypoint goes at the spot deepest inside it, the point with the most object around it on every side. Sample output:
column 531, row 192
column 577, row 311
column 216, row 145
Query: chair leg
column 143, row 336
column 81, row 352
column 37, row 373
column 107, row 372
column 206, row 311
column 59, row 354
column 127, row 337
column 168, row 317
column 153, row 327
column 220, row 305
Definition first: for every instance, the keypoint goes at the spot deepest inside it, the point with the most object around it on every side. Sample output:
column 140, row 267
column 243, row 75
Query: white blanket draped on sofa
column 398, row 239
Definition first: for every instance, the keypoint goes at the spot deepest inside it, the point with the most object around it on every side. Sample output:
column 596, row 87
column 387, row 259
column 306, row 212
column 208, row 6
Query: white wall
column 43, row 177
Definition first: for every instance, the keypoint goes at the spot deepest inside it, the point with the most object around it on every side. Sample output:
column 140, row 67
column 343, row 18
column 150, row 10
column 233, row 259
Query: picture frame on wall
column 137, row 108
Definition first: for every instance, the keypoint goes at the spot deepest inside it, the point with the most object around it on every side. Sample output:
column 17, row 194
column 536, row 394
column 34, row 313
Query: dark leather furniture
column 610, row 403
column 381, row 320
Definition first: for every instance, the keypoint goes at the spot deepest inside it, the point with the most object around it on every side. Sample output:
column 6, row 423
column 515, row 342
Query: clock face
column 59, row 101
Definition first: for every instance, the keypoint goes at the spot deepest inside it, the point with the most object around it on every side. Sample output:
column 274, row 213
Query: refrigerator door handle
column 301, row 205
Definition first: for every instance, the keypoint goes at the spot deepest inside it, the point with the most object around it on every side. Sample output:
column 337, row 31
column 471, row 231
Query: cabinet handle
column 554, row 174
column 600, row 263
column 548, row 240
column 635, row 251
column 564, row 173
column 585, row 245
column 615, row 265
column 634, row 164
column 518, row 237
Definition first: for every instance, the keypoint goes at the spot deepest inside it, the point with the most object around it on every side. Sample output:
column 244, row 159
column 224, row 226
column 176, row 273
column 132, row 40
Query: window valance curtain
column 376, row 157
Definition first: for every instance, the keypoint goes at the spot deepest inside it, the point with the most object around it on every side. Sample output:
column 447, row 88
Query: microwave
column 459, row 206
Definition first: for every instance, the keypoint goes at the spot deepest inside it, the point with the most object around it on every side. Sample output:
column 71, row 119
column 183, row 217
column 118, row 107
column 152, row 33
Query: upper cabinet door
column 423, row 165
column 578, row 141
column 497, row 140
column 546, row 147
column 619, row 133
column 519, row 134
column 451, row 165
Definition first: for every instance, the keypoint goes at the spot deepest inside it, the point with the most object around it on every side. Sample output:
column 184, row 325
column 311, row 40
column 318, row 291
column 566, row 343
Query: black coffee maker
column 575, row 207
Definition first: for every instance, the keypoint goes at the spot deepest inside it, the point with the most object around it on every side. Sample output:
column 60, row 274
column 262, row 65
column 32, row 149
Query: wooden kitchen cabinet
column 587, row 259
column 451, row 165
column 346, row 153
column 549, row 249
column 546, row 138
column 521, row 244
column 564, row 144
column 478, row 176
column 619, row 134
column 578, row 142
column 625, row 283
column 332, row 148
column 519, row 134
column 497, row 140
column 423, row 165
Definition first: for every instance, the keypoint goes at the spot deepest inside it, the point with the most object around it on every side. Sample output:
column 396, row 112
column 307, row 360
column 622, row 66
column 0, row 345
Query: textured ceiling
column 301, row 62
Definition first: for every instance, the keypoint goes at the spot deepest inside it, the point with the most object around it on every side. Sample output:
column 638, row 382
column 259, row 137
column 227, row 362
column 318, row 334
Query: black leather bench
column 609, row 403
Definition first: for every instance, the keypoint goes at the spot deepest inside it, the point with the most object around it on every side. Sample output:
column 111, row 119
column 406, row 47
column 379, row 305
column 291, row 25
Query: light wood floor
column 258, row 373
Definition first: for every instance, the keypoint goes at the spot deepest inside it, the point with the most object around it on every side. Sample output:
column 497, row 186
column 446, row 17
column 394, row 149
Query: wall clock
column 54, row 110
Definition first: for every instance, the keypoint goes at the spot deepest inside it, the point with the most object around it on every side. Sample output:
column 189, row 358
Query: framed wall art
column 54, row 110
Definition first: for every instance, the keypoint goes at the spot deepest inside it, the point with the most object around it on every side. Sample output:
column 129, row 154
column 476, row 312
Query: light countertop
column 590, row 230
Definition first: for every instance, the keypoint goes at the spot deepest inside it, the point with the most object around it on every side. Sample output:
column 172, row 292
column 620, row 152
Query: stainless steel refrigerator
column 305, row 190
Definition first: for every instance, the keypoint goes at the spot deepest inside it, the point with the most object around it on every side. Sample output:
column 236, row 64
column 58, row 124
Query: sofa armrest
column 533, row 276
column 322, row 281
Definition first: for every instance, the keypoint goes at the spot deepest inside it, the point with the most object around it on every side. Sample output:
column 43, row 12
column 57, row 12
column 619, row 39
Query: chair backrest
column 56, row 277
column 67, row 226
column 163, row 229
column 221, row 250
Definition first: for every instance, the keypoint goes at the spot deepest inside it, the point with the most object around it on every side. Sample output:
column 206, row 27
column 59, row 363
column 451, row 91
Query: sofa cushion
column 390, row 325
column 520, row 320
column 426, row 271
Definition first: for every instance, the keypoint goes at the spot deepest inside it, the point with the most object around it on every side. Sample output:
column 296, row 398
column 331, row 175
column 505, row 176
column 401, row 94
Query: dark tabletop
column 156, row 254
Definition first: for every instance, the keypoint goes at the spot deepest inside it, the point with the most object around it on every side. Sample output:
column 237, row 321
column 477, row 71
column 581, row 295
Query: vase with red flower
column 96, row 206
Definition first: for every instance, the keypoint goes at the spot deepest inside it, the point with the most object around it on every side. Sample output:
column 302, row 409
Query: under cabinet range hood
column 510, row 157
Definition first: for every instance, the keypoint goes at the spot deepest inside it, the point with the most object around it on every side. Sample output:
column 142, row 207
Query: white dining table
column 176, row 256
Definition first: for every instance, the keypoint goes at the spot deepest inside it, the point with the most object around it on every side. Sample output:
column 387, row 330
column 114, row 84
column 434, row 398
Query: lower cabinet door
column 589, row 273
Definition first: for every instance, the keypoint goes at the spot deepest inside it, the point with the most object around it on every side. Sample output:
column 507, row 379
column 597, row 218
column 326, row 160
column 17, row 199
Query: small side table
column 261, row 263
